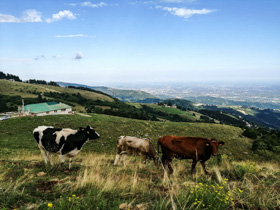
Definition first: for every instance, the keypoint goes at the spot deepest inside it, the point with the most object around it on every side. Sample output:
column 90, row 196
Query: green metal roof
column 45, row 107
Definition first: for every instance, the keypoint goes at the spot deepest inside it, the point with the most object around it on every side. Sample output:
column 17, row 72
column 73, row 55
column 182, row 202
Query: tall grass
column 94, row 183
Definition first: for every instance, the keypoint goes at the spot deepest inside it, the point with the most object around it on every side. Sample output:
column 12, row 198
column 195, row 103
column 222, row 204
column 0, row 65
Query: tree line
column 9, row 77
column 266, row 142
column 30, row 81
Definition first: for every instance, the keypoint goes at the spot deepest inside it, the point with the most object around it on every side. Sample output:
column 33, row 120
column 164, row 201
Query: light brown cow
column 195, row 148
column 134, row 146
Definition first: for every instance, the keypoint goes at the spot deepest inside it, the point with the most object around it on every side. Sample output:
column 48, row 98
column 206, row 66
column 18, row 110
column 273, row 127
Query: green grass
column 26, row 90
column 20, row 129
column 241, row 179
column 190, row 115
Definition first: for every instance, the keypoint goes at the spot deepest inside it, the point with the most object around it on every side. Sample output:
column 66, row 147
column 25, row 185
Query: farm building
column 47, row 108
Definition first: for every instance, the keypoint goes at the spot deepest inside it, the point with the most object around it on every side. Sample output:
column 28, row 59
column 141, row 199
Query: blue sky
column 127, row 41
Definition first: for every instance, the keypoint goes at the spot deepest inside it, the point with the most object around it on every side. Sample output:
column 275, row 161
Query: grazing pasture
column 239, row 179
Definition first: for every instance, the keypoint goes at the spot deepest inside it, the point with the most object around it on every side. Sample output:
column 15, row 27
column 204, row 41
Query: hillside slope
column 17, row 132
column 32, row 91
column 237, row 181
column 123, row 95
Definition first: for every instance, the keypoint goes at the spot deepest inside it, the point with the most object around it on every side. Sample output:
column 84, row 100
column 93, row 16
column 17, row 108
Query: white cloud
column 79, row 56
column 32, row 16
column 28, row 17
column 89, row 4
column 73, row 36
column 186, row 13
column 8, row 19
column 61, row 15
column 72, row 4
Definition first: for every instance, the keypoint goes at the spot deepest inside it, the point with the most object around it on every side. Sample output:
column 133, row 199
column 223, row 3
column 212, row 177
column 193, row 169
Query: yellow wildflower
column 50, row 205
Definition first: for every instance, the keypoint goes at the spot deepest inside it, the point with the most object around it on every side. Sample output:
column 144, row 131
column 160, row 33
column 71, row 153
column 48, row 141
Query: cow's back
column 39, row 131
column 48, row 138
column 133, row 145
column 183, row 146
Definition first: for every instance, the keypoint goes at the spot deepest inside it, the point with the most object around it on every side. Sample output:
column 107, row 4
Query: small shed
column 47, row 108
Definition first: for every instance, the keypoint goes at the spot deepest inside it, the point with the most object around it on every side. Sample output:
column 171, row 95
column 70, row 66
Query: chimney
column 22, row 106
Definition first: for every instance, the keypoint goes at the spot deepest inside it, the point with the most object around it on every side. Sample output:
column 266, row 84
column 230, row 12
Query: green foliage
column 9, row 77
column 11, row 103
column 208, row 195
column 41, row 82
column 267, row 145
column 223, row 117
column 180, row 103
column 245, row 168
column 250, row 133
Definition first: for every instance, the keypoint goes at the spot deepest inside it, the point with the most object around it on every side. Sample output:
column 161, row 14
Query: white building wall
column 64, row 111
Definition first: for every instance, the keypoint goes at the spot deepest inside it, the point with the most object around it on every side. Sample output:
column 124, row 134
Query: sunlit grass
column 94, row 175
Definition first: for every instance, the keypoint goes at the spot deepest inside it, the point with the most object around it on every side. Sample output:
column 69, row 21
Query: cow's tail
column 158, row 143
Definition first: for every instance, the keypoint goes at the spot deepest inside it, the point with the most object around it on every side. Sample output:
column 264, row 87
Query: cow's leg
column 166, row 162
column 50, row 157
column 146, row 159
column 70, row 162
column 43, row 152
column 193, row 165
column 170, row 168
column 62, row 159
column 123, row 158
column 204, row 168
column 118, row 156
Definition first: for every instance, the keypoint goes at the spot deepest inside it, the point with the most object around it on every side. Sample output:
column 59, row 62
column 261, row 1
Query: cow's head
column 213, row 144
column 91, row 133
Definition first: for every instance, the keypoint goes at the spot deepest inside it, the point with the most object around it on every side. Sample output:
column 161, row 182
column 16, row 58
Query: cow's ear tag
column 207, row 144
column 88, row 132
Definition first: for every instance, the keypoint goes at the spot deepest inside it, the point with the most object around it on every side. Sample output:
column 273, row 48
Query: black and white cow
column 62, row 141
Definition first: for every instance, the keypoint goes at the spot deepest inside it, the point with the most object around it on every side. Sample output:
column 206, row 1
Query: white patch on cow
column 64, row 132
column 73, row 152
column 40, row 130
column 97, row 134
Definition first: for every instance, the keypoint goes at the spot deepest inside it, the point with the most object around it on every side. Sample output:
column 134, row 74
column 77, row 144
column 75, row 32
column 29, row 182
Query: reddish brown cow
column 195, row 148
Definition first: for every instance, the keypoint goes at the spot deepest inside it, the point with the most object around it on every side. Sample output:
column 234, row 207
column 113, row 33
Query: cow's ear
column 221, row 143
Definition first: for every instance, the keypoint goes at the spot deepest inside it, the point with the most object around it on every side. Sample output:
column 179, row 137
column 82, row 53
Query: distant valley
column 122, row 94
column 242, row 106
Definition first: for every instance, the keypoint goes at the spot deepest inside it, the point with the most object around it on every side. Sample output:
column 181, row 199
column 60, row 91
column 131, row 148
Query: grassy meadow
column 239, row 179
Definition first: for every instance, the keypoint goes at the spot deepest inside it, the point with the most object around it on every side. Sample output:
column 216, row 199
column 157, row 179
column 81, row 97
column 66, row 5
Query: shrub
column 250, row 133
